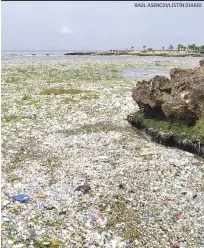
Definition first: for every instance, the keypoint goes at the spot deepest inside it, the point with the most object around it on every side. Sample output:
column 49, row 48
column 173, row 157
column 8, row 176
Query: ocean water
column 34, row 56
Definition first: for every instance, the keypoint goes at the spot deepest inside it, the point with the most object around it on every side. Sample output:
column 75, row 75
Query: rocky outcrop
column 80, row 53
column 98, row 53
column 179, row 98
column 201, row 63
column 172, row 110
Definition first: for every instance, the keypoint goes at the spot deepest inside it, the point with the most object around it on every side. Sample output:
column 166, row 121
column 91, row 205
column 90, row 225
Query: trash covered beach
column 74, row 171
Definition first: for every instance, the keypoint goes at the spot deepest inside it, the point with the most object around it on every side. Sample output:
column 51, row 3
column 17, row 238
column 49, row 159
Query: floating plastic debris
column 84, row 188
column 21, row 197
column 42, row 196
column 144, row 153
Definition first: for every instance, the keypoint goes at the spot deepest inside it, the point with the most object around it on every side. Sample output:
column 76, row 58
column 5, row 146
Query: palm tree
column 179, row 47
column 171, row 47
column 132, row 48
column 163, row 48
column 144, row 47
column 194, row 47
column 202, row 48
column 190, row 47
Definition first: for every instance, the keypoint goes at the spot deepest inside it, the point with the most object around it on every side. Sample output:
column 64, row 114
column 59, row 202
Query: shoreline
column 118, row 53
column 140, row 54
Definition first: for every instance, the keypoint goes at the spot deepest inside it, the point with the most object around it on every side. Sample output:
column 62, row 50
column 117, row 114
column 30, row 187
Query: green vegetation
column 52, row 223
column 90, row 96
column 122, row 220
column 195, row 133
column 180, row 47
column 171, row 47
column 14, row 118
column 61, row 90
column 4, row 108
column 95, row 128
column 34, row 102
column 25, row 97
column 189, row 48
column 194, row 48
column 69, row 100
column 52, row 164
column 47, row 242
column 13, row 179
column 11, row 118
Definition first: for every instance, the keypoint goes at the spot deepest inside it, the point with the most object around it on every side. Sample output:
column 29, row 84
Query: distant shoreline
column 141, row 53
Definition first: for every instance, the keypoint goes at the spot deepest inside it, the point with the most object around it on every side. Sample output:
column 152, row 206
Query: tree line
column 192, row 48
column 180, row 47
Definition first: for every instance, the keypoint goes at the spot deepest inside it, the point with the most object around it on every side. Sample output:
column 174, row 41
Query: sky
column 97, row 26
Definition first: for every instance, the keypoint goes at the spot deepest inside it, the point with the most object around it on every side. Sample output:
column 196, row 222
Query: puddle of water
column 141, row 72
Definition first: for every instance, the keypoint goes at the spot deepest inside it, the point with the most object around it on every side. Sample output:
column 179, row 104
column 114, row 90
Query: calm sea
column 58, row 56
column 36, row 55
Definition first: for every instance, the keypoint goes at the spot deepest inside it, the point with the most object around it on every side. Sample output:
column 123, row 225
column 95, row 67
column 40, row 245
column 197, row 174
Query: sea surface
column 48, row 56
column 58, row 56
column 36, row 55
